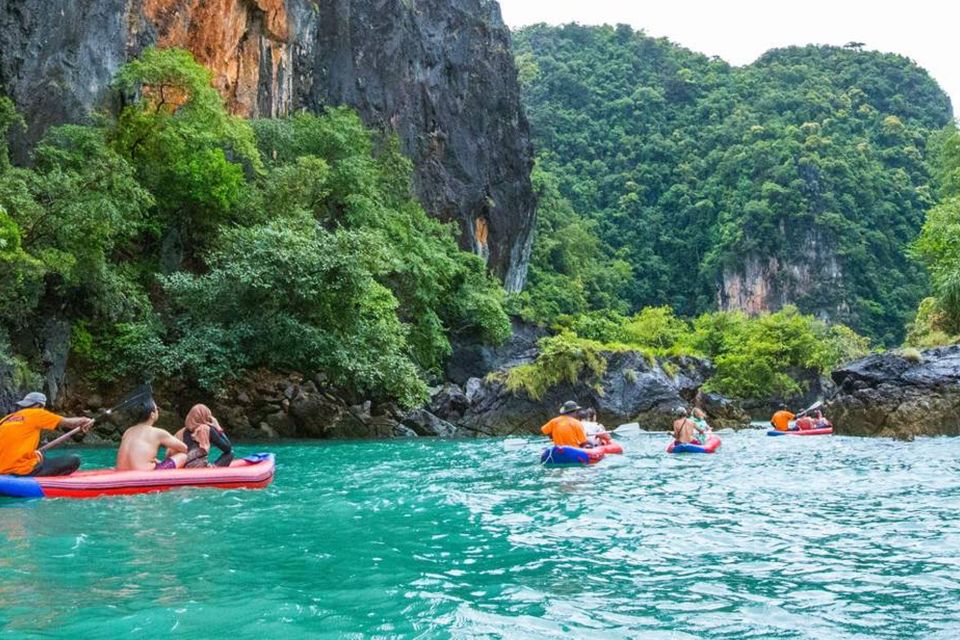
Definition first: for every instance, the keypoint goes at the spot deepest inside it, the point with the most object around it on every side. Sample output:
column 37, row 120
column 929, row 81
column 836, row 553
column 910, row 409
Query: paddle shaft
column 63, row 438
column 139, row 394
column 816, row 405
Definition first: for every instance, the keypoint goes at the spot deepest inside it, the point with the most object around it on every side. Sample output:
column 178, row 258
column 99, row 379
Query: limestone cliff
column 439, row 73
column 810, row 271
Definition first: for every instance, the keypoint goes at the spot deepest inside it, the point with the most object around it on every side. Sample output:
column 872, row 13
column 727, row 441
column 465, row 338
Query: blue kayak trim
column 20, row 487
column 564, row 455
column 688, row 448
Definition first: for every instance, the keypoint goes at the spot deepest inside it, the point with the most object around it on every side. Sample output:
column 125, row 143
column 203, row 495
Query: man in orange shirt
column 781, row 419
column 20, row 435
column 565, row 429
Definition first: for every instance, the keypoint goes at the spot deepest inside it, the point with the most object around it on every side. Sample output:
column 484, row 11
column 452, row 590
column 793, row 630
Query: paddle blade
column 139, row 395
column 816, row 405
column 630, row 427
column 515, row 443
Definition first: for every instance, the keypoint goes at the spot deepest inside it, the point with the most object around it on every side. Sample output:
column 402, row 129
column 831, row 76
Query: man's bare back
column 683, row 430
column 140, row 444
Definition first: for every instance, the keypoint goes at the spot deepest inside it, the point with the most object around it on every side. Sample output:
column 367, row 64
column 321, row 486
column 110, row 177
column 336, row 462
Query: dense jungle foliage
column 938, row 318
column 679, row 170
column 178, row 240
column 753, row 356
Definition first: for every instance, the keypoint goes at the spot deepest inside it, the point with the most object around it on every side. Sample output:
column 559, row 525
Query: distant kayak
column 825, row 431
column 253, row 472
column 711, row 446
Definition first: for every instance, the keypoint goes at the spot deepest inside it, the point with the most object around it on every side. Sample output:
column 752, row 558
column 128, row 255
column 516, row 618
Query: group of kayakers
column 188, row 448
column 578, row 427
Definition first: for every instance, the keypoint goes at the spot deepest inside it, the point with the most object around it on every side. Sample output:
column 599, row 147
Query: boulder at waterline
column 899, row 395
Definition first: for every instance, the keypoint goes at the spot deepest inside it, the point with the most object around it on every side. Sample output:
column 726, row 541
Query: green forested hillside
column 688, row 168
column 938, row 318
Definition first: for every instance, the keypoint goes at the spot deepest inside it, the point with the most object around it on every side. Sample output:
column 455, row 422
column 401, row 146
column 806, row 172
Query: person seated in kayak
column 781, row 419
column 821, row 422
column 200, row 431
column 141, row 443
column 20, row 435
column 686, row 430
column 565, row 429
column 805, row 423
column 699, row 416
column 597, row 436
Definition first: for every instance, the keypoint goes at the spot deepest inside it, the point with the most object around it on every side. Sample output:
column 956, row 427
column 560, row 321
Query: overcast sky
column 740, row 30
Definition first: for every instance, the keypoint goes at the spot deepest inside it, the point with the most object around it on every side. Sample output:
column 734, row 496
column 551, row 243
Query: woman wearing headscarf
column 201, row 431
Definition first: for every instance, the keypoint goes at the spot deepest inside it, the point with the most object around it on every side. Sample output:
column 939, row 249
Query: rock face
column 890, row 395
column 472, row 358
column 439, row 73
column 632, row 389
column 762, row 284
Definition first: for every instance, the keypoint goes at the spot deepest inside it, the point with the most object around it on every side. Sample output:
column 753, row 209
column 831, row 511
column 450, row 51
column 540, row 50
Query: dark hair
column 148, row 407
column 592, row 414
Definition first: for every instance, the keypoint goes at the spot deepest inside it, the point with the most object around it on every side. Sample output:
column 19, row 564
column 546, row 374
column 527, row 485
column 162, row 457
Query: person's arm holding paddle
column 79, row 422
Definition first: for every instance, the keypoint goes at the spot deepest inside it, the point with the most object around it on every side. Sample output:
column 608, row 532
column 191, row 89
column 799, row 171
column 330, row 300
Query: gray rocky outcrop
column 472, row 358
column 898, row 395
column 633, row 388
column 438, row 73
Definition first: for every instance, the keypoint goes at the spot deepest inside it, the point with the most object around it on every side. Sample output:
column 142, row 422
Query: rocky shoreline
column 895, row 394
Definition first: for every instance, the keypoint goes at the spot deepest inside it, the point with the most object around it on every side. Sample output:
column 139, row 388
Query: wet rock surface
column 891, row 395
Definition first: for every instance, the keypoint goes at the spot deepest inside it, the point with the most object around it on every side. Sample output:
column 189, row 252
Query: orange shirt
column 565, row 431
column 19, row 437
column 781, row 420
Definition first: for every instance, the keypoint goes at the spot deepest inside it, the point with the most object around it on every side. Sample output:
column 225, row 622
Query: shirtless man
column 141, row 443
column 684, row 428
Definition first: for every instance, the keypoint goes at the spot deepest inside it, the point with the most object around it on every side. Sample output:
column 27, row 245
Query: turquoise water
column 771, row 537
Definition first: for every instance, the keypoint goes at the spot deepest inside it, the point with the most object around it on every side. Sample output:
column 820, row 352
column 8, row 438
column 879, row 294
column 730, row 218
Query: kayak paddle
column 141, row 393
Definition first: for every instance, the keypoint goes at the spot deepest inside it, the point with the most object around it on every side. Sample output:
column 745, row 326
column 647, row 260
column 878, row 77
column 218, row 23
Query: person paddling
column 781, row 419
column 141, row 443
column 20, row 435
column 200, row 431
column 565, row 429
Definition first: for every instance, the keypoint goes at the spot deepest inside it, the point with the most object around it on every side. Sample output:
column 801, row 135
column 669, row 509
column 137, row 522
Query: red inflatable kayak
column 608, row 449
column 563, row 456
column 825, row 431
column 253, row 472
